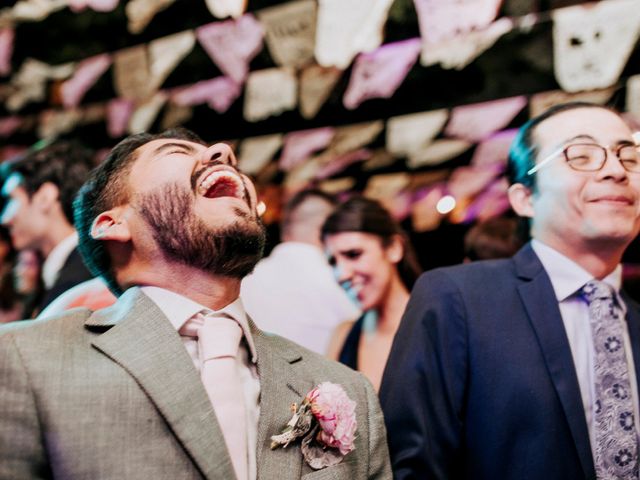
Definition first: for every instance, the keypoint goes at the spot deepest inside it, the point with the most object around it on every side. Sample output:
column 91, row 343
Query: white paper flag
column 540, row 102
column 410, row 133
column 316, row 84
column 257, row 152
column 53, row 123
column 226, row 8
column 269, row 92
column 146, row 113
column 166, row 53
column 36, row 10
column 633, row 95
column 29, row 82
column 348, row 27
column 141, row 12
column 437, row 152
column 592, row 43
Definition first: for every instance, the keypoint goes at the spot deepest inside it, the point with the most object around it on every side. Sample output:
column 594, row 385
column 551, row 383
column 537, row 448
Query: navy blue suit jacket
column 480, row 382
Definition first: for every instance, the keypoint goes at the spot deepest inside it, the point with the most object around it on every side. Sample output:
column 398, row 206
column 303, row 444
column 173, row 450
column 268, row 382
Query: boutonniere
column 326, row 419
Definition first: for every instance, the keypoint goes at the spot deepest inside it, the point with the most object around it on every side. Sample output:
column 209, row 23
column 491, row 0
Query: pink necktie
column 219, row 340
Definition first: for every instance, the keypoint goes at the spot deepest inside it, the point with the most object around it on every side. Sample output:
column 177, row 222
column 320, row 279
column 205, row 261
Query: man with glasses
column 528, row 367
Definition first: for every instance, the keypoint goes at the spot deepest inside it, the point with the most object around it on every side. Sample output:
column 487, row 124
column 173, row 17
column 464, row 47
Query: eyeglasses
column 591, row 157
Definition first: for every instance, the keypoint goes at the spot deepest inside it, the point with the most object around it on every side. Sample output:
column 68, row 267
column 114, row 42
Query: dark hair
column 361, row 214
column 523, row 151
column 494, row 238
column 107, row 188
column 66, row 164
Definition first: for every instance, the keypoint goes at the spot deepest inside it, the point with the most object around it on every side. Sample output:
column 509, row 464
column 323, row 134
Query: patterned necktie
column 616, row 454
column 218, row 341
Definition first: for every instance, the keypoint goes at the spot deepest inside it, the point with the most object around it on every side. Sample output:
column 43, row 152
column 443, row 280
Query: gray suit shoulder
column 63, row 326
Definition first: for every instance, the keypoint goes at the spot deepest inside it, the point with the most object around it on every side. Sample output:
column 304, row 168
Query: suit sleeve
column 21, row 450
column 379, row 463
column 424, row 383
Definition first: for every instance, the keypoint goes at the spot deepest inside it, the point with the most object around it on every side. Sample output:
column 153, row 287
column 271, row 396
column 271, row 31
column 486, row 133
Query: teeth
column 217, row 175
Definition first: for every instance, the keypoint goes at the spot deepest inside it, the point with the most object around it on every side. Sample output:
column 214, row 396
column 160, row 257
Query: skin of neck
column 56, row 232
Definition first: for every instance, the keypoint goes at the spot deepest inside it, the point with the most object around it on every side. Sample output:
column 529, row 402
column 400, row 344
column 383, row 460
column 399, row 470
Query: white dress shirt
column 55, row 260
column 567, row 278
column 293, row 293
column 178, row 310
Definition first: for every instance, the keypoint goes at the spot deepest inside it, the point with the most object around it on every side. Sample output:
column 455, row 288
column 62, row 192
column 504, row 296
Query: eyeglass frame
column 606, row 148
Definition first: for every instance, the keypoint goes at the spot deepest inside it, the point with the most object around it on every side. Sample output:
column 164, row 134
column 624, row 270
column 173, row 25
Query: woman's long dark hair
column 360, row 214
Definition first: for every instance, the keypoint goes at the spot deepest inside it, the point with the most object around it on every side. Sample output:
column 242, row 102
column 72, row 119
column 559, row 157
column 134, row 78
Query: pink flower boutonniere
column 327, row 420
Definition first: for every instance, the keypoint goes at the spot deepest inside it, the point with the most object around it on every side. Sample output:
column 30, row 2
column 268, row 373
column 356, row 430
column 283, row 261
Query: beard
column 231, row 250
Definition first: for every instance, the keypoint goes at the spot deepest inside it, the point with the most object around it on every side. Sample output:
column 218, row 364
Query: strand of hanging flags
column 592, row 43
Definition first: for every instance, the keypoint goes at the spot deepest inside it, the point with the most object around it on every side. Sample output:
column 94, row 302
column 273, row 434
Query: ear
column 395, row 250
column 521, row 201
column 111, row 225
column 46, row 196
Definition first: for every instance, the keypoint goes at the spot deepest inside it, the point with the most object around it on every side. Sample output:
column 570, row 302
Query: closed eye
column 352, row 254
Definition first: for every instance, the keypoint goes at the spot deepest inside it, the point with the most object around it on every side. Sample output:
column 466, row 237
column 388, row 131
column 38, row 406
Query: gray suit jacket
column 113, row 394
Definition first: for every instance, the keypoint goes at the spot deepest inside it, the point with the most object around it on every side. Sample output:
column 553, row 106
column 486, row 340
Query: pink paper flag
column 219, row 93
column 341, row 162
column 493, row 201
column 232, row 44
column 119, row 111
column 442, row 19
column 466, row 182
column 7, row 36
column 97, row 5
column 475, row 122
column 494, row 149
column 378, row 74
column 298, row 146
column 8, row 125
column 85, row 76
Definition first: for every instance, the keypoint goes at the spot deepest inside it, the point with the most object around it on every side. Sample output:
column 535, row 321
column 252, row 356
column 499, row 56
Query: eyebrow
column 167, row 146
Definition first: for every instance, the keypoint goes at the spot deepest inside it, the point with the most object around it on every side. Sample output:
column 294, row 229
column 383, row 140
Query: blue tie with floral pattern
column 616, row 454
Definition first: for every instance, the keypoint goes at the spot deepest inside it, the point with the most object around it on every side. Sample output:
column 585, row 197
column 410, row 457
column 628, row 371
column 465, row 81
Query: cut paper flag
column 467, row 182
column 477, row 121
column 146, row 113
column 232, row 44
column 175, row 115
column 30, row 81
column 302, row 175
column 299, row 146
column 290, row 32
column 437, row 152
column 219, row 93
column 7, row 36
column 36, row 10
column 494, row 149
column 540, row 102
column 424, row 214
column 270, row 92
column 458, row 52
column 338, row 185
column 141, row 12
column 119, row 111
column 491, row 202
column 86, row 75
column 444, row 19
column 226, row 8
column 633, row 95
column 9, row 125
column 592, row 43
column 352, row 137
column 131, row 72
column 378, row 74
column 407, row 134
column 340, row 162
column 257, row 152
column 53, row 123
column 388, row 189
column 96, row 5
column 94, row 113
column 166, row 53
column 348, row 27
column 316, row 84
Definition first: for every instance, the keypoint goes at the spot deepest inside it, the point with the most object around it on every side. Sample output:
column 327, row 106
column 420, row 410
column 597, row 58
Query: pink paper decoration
column 119, row 111
column 7, row 36
column 232, row 44
column 219, row 93
column 475, row 122
column 86, row 75
column 378, row 74
column 494, row 149
column 298, row 146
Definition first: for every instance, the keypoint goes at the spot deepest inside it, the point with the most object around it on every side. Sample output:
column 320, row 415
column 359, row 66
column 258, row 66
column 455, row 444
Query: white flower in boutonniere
column 327, row 420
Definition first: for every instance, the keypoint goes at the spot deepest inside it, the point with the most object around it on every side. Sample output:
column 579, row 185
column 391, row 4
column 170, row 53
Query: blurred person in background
column 10, row 307
column 376, row 264
column 39, row 188
column 27, row 281
column 292, row 292
column 495, row 237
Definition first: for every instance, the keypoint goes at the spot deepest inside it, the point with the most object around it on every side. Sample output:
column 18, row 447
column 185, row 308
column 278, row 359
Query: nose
column 220, row 153
column 612, row 167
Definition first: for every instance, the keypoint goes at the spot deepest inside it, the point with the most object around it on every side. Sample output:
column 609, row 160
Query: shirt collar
column 178, row 309
column 566, row 276
column 55, row 260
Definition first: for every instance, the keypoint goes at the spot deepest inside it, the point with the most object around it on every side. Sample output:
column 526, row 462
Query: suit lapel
column 547, row 323
column 142, row 340
column 281, row 384
column 633, row 325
